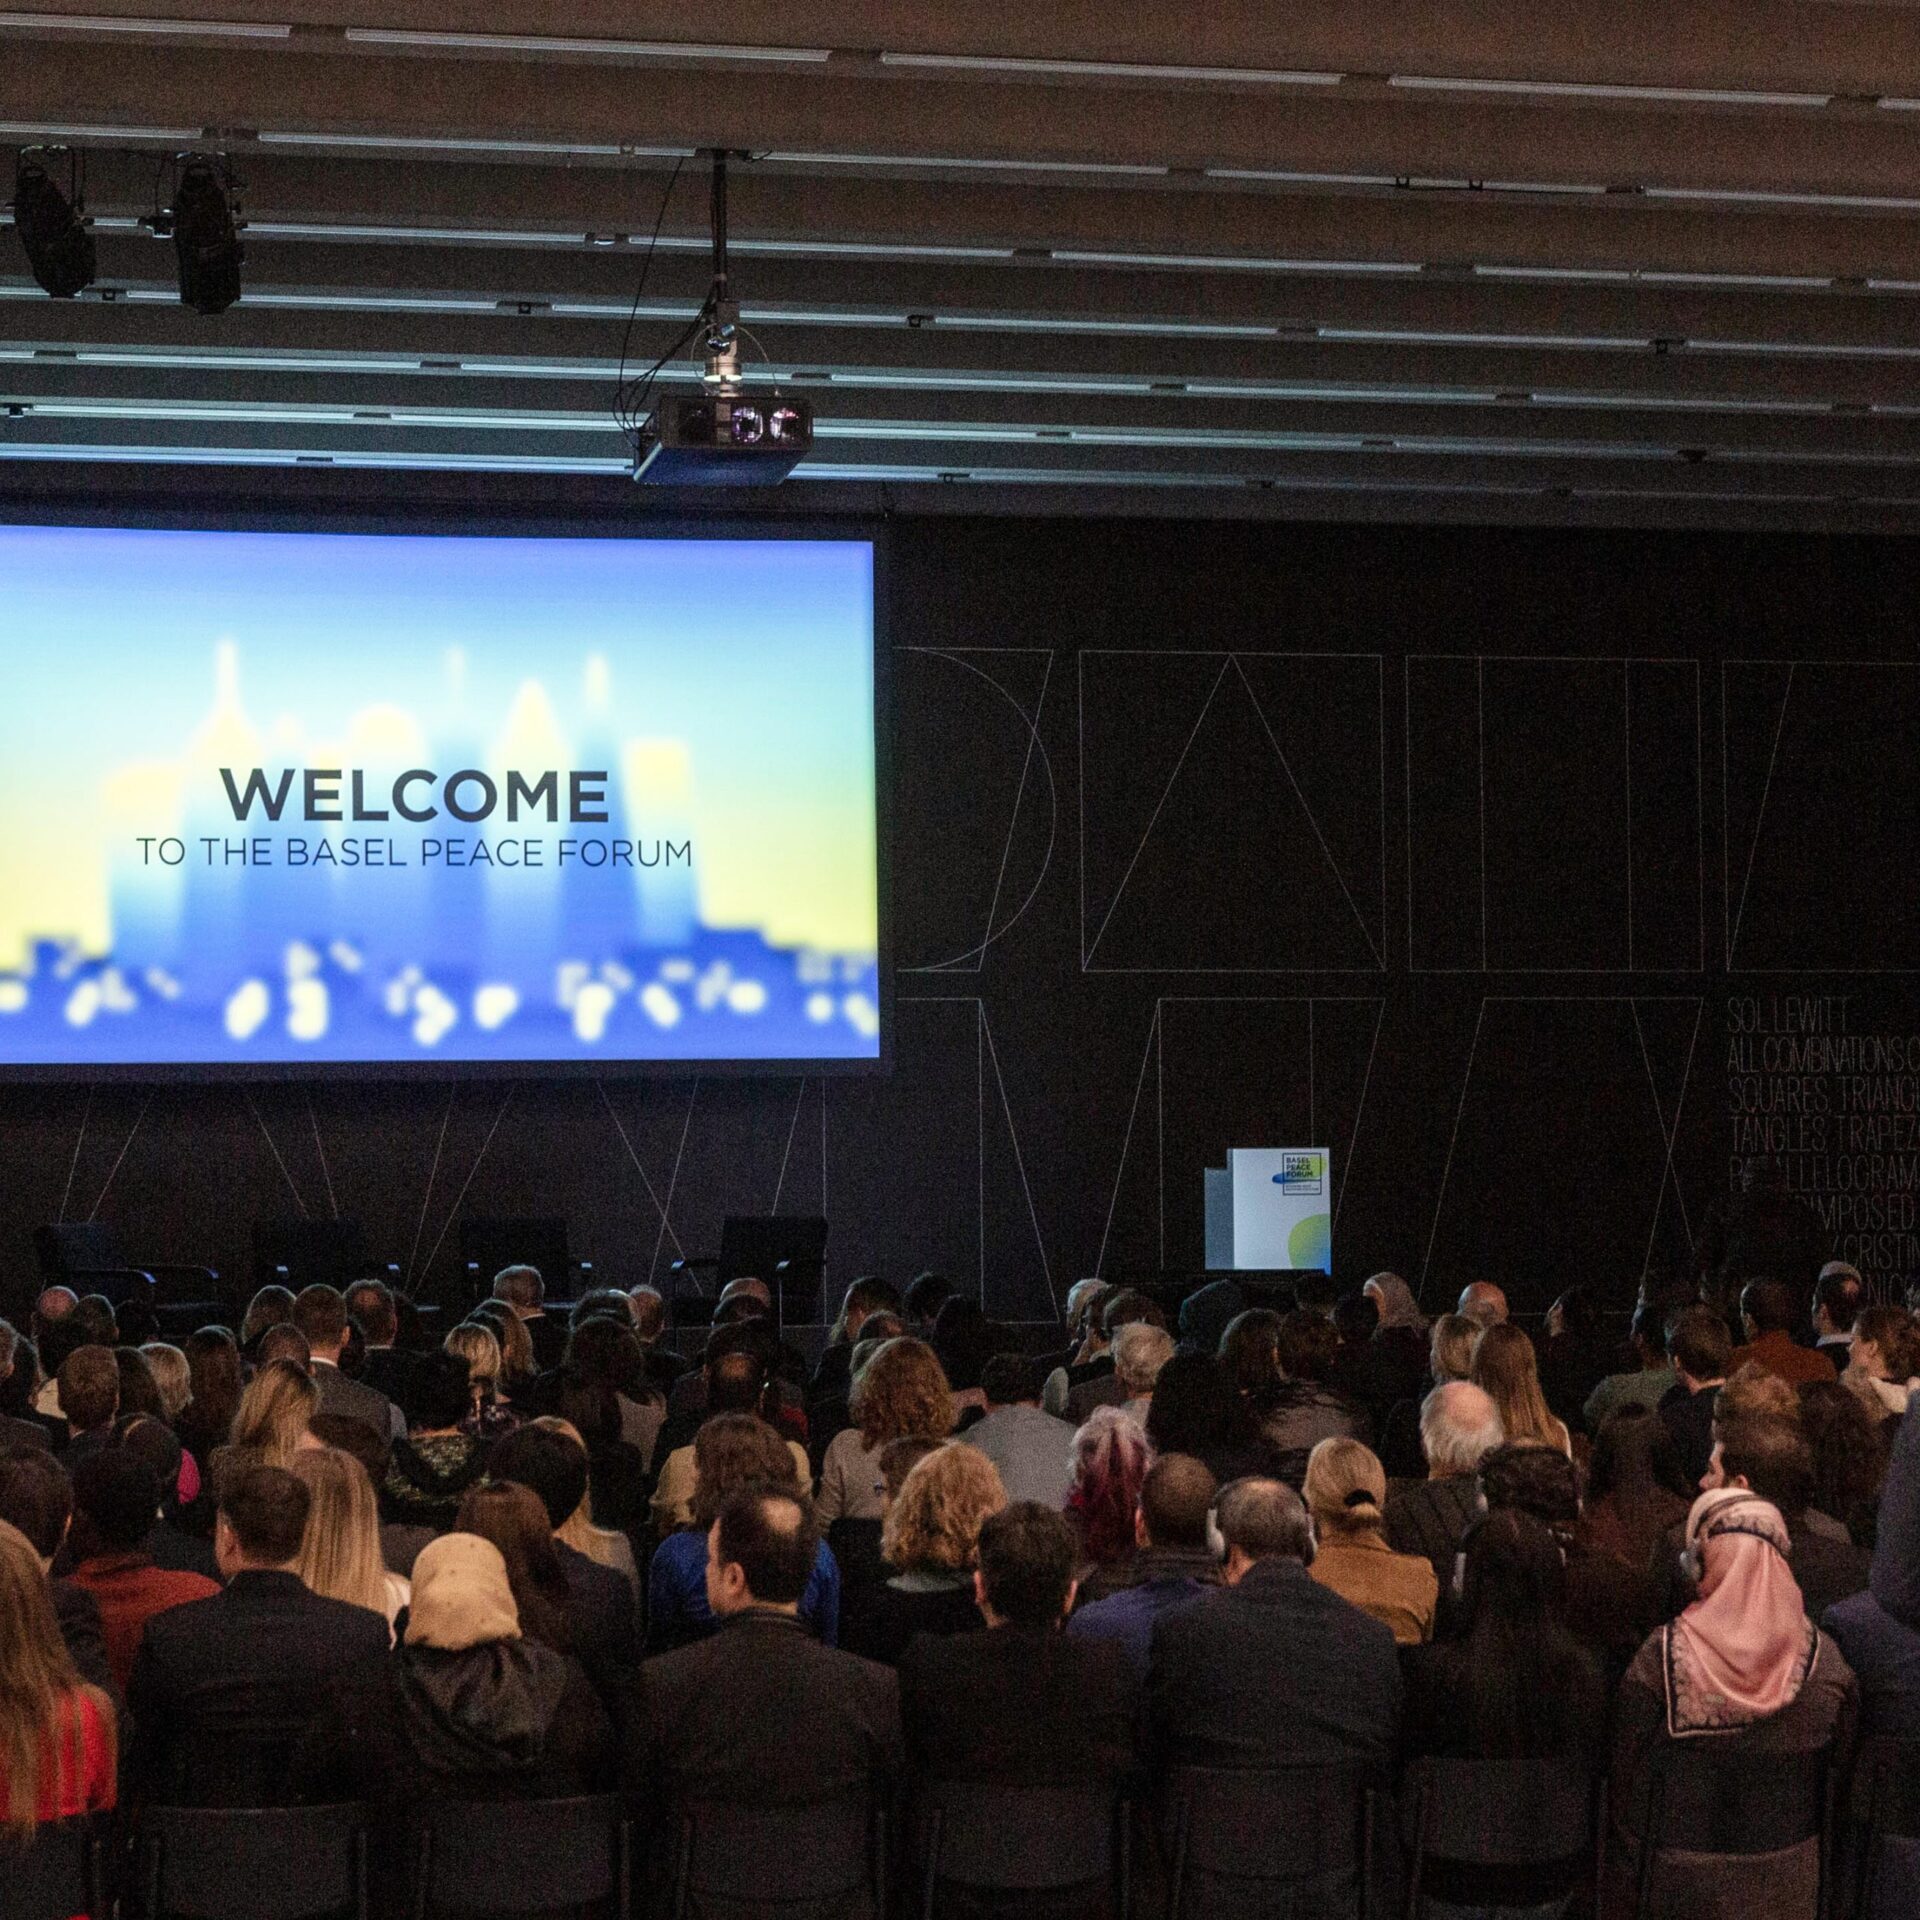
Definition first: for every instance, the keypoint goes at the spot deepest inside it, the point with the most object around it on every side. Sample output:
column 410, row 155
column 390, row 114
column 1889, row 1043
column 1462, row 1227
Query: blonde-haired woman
column 1450, row 1351
column 900, row 1394
column 1504, row 1369
column 171, row 1375
column 479, row 1346
column 931, row 1543
column 340, row 1550
column 57, row 1743
column 275, row 1420
column 601, row 1544
column 1346, row 1492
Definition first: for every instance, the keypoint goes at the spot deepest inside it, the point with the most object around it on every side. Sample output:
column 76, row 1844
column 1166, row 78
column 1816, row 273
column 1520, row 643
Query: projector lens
column 749, row 426
column 785, row 425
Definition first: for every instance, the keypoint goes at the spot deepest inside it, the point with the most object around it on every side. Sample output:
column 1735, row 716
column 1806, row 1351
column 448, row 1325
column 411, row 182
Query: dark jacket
column 223, row 1689
column 1276, row 1671
column 1689, row 1418
column 600, row 1606
column 1429, row 1516
column 884, row 1620
column 427, row 1478
column 1018, row 1706
column 1123, row 1612
column 78, row 1615
column 387, row 1370
column 352, row 1399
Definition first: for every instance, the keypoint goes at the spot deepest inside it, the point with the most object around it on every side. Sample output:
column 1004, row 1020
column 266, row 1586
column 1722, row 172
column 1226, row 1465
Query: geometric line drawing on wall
column 959, row 812
column 1317, row 1055
column 1232, row 812
column 1525, row 1119
column 659, row 1206
column 459, row 1199
column 266, row 1132
column 1818, row 849
column 119, row 1159
column 1555, row 821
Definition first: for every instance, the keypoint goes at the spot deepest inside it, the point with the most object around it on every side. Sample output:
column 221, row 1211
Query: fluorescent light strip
column 1755, row 196
column 447, row 144
column 1600, row 90
column 1109, row 70
column 1605, row 275
column 1426, row 337
column 1660, row 277
column 1804, row 349
column 58, row 130
column 603, row 49
column 954, row 161
column 1676, row 403
column 174, row 29
column 1078, row 257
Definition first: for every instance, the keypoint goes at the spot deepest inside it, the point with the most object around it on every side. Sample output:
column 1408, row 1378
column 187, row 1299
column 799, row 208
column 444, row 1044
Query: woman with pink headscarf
column 1744, row 1670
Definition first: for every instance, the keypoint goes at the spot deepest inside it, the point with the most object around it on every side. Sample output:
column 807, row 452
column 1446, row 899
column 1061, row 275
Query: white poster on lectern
column 1282, row 1207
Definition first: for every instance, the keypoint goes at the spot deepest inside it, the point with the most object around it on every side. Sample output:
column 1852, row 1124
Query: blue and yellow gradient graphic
column 725, row 908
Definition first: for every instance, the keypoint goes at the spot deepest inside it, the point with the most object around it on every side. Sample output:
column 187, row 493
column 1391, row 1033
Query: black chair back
column 61, row 1871
column 253, row 1863
column 1740, row 1800
column 1271, row 1827
column 758, row 1858
column 1885, row 1806
column 1500, row 1813
column 522, row 1856
column 1018, row 1839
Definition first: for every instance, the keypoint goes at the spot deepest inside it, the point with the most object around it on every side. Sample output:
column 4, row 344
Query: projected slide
column 310, row 798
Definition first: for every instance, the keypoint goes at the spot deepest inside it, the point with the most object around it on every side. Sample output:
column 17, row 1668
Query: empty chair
column 1521, row 1831
column 1239, row 1840
column 523, row 1856
column 60, row 1872
column 255, row 1863
column 828, row 1856
column 1045, row 1841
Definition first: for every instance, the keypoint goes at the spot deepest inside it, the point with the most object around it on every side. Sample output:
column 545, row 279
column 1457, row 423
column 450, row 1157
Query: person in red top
column 57, row 1743
column 1766, row 1313
column 116, row 1502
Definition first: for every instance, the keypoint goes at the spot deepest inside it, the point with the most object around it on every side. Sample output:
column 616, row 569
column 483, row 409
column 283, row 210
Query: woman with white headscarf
column 1744, row 1670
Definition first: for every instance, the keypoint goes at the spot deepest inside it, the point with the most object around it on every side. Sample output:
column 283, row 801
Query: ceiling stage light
column 58, row 246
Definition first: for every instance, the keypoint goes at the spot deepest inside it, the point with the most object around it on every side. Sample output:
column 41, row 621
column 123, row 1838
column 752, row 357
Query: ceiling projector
column 723, row 439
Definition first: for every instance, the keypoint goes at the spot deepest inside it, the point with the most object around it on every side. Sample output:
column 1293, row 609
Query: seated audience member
column 1765, row 1453
column 1022, row 1704
column 605, row 1360
column 1111, row 1456
column 1838, row 1296
column 830, row 1414
column 513, row 1520
column 172, row 1378
column 1483, row 1303
column 1850, row 1449
column 1650, row 1381
column 321, row 1315
column 1459, row 1427
column 214, row 1388
column 1702, row 1357
column 1636, row 1491
column 601, row 1601
column 605, row 1545
column 1073, row 1394
column 1272, row 1669
column 1031, row 1451
column 271, row 1307
column 926, row 1294
column 89, row 1398
column 1514, row 1684
column 147, row 1437
column 648, row 1307
column 762, row 1713
column 36, row 1499
column 1504, row 1369
column 58, row 1743
column 1400, row 1340
column 900, row 1394
column 275, row 1417
column 1306, row 1408
column 1086, row 1341
column 1744, row 1666
column 399, row 1545
column 437, row 1459
column 284, row 1342
column 1883, row 1649
column 1171, row 1564
column 383, row 1365
column 1577, row 1354
column 1139, row 1352
column 524, row 1292
column 833, row 1374
column 1883, row 1367
column 1346, row 1493
column 1450, row 1353
column 469, row 1706
column 963, row 1341
column 222, row 1689
column 17, row 1363
column 930, row 1543
column 1206, row 1313
column 736, row 1384
column 733, row 1450
column 1356, row 1319
column 139, row 1390
column 340, row 1553
column 519, row 1370
column 1767, row 1316
column 116, row 1506
column 488, row 1415
column 1196, row 1410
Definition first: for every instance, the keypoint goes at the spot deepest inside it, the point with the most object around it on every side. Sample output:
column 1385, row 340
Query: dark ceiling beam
column 1758, row 44
column 1317, row 131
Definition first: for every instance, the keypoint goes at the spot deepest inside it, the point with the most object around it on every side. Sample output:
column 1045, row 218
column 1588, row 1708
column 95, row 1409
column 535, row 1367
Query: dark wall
column 1537, row 874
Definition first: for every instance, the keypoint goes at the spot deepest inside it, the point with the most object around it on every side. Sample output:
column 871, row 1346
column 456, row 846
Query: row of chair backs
column 63, row 1871
column 819, row 1854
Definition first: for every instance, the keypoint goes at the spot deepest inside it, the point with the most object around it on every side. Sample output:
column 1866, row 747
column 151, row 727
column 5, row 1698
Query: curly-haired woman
column 901, row 1394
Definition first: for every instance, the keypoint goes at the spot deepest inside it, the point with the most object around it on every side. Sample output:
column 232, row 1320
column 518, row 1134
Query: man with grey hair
column 1459, row 1427
column 1273, row 1669
column 1140, row 1350
column 649, row 1309
column 1483, row 1303
column 522, row 1288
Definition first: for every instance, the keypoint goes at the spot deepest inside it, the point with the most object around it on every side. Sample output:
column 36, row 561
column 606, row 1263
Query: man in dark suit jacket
column 1020, row 1704
column 1274, row 1669
column 383, row 1366
column 222, row 1689
column 321, row 1316
column 525, row 1294
column 761, row 1713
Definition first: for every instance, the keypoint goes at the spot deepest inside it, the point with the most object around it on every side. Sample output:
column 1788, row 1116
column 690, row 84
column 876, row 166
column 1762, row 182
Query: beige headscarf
column 461, row 1598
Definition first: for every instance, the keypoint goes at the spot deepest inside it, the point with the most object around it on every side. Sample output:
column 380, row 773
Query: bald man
column 1483, row 1303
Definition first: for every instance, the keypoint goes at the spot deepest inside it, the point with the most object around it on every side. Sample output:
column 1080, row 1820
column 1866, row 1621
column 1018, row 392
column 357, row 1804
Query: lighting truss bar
column 592, row 49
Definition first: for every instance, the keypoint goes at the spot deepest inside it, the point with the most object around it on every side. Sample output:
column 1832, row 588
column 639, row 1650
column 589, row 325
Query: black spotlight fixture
column 58, row 244
column 206, row 236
